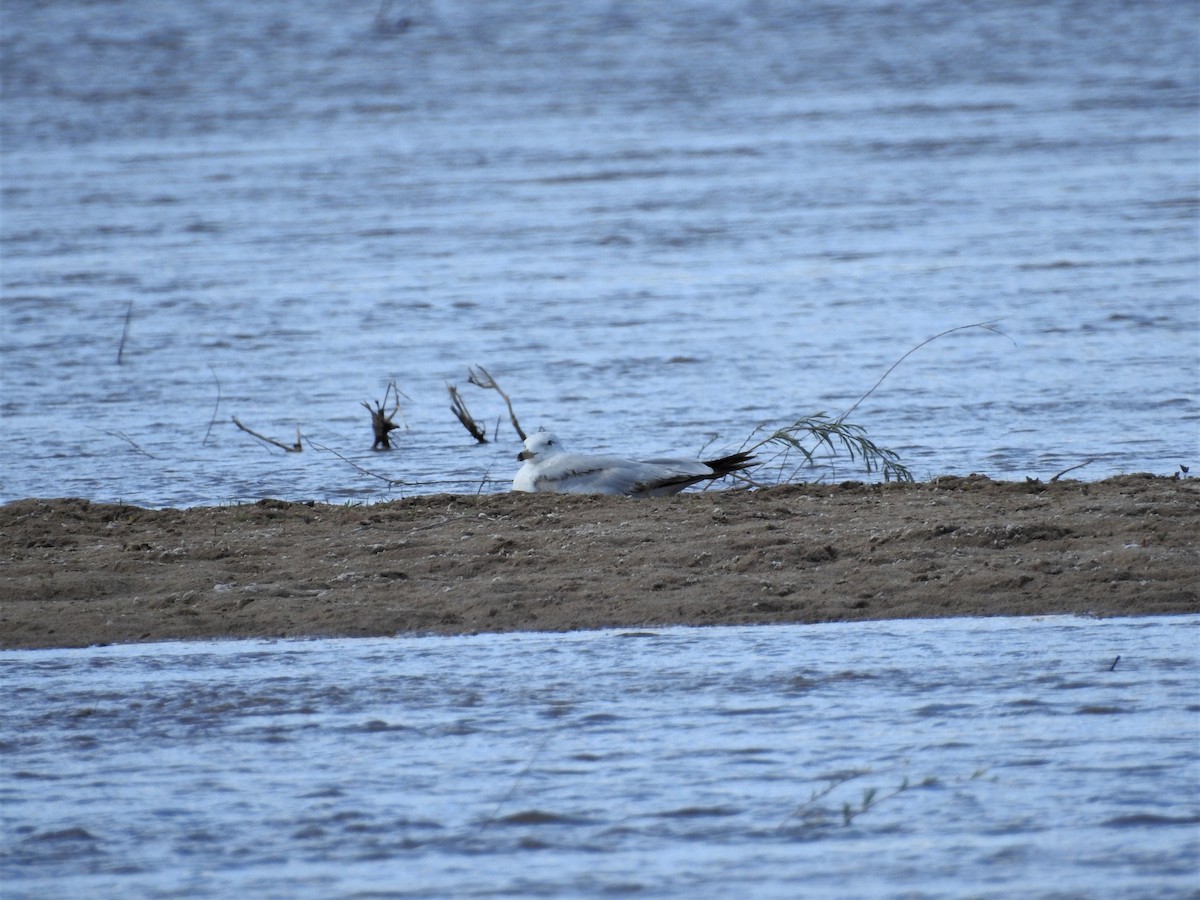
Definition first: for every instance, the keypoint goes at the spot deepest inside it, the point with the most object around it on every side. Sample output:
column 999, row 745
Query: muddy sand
column 74, row 573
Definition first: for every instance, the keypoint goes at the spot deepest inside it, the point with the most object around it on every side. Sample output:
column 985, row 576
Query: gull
column 550, row 468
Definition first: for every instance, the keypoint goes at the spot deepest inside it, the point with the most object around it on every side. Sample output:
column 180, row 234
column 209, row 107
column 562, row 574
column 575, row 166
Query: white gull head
column 539, row 446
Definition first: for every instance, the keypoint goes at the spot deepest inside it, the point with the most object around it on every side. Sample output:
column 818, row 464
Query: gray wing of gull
column 574, row 473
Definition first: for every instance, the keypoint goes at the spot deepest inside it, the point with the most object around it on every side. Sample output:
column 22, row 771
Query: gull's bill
column 549, row 468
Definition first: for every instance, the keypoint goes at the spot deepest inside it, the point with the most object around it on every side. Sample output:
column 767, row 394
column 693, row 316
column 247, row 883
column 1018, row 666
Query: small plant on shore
column 812, row 434
column 823, row 434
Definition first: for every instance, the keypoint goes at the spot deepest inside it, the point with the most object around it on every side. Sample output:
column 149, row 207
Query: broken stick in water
column 459, row 408
column 294, row 448
column 124, row 332
column 381, row 419
column 481, row 377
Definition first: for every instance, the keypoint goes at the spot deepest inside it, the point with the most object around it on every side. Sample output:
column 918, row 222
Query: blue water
column 661, row 227
column 1007, row 758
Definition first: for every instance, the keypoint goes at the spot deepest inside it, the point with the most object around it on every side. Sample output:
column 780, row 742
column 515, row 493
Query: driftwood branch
column 459, row 407
column 294, row 448
column 480, row 377
column 381, row 419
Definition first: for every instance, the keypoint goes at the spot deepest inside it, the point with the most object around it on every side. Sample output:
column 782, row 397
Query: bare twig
column 442, row 521
column 131, row 442
column 1087, row 462
column 483, row 481
column 517, row 781
column 988, row 326
column 124, row 332
column 294, row 448
column 459, row 408
column 835, row 434
column 872, row 798
column 216, row 406
column 820, row 793
column 390, row 481
column 480, row 377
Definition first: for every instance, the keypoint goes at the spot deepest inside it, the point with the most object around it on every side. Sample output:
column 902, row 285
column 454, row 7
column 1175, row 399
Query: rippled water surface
column 658, row 225
column 990, row 758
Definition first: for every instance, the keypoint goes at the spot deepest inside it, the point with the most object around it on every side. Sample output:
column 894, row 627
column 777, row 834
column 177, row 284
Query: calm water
column 1008, row 757
column 658, row 225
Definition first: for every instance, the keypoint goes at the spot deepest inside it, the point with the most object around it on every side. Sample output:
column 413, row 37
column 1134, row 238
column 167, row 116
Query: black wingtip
column 735, row 462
